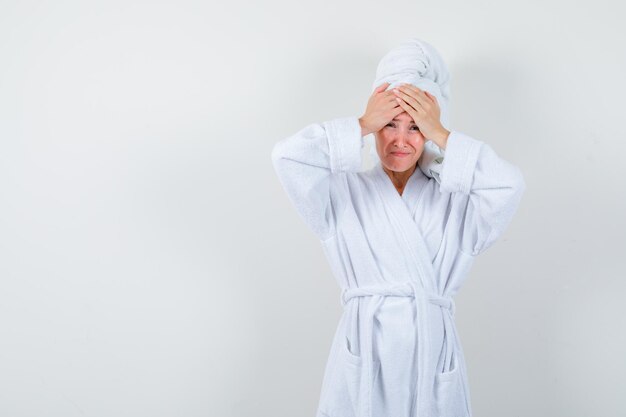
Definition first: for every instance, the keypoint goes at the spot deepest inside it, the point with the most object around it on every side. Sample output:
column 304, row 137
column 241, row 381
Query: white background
column 151, row 264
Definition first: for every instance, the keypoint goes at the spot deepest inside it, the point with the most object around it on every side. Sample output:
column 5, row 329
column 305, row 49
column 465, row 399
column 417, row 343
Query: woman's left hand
column 424, row 109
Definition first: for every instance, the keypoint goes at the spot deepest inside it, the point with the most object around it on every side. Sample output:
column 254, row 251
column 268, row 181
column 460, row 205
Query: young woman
column 400, row 238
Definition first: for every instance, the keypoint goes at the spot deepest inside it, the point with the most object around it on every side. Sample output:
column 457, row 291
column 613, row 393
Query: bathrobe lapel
column 400, row 211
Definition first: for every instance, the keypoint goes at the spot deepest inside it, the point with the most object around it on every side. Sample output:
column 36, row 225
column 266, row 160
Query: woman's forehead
column 404, row 116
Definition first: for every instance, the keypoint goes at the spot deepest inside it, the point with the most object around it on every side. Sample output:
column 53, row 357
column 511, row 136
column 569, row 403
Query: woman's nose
column 400, row 138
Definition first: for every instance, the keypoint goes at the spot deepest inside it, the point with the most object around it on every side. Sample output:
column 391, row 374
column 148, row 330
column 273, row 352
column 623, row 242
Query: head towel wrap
column 417, row 62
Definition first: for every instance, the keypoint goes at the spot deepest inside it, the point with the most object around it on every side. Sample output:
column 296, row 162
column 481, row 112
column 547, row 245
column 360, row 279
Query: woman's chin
column 394, row 164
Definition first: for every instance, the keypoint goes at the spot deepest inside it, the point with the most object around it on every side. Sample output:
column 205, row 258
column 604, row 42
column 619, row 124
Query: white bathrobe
column 398, row 260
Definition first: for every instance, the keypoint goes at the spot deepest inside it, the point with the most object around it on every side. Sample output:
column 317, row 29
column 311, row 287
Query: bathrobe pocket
column 449, row 392
column 345, row 391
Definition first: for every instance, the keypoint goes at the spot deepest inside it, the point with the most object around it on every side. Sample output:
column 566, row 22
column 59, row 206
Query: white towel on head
column 417, row 62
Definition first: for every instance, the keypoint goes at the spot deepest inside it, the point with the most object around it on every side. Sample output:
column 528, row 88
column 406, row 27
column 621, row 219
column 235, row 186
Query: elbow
column 277, row 153
column 519, row 182
column 518, row 187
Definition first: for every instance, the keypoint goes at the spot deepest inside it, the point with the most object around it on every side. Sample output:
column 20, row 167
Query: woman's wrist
column 364, row 129
column 441, row 138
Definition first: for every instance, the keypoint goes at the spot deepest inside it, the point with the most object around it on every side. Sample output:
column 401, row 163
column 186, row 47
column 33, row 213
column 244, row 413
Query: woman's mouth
column 400, row 154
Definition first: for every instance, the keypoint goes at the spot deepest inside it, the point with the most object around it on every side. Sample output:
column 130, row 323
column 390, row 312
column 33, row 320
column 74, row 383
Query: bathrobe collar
column 412, row 190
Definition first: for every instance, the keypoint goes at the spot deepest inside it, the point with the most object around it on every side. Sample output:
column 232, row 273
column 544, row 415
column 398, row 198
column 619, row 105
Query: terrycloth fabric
column 417, row 62
column 399, row 260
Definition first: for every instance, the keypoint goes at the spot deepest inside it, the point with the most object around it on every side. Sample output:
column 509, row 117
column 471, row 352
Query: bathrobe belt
column 425, row 369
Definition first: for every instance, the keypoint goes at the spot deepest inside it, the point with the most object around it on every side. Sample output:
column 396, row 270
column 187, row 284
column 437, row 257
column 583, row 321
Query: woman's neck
column 399, row 179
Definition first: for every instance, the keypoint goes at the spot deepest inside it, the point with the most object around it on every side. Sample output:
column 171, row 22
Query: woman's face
column 400, row 143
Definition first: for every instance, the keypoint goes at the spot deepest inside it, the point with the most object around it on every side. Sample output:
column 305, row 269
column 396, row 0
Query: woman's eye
column 412, row 127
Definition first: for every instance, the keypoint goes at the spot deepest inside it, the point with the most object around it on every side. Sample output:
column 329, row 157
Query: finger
column 381, row 87
column 430, row 96
column 388, row 93
column 412, row 87
column 425, row 101
column 388, row 100
column 392, row 107
column 412, row 100
column 391, row 97
column 383, row 97
column 410, row 110
column 397, row 110
column 393, row 112
column 418, row 94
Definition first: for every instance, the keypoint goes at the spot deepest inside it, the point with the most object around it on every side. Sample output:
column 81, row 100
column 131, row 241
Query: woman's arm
column 306, row 161
column 489, row 187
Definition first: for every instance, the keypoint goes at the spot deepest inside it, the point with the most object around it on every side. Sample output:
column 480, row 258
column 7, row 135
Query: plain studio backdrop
column 152, row 265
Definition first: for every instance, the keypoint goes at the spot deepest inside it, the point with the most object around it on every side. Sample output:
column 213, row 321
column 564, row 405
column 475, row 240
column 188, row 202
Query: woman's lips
column 399, row 154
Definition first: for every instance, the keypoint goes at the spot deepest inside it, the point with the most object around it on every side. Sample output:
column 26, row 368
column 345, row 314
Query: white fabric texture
column 398, row 260
column 417, row 62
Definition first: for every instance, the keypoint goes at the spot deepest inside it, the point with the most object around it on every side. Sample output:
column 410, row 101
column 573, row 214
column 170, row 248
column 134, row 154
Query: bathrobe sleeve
column 306, row 161
column 487, row 190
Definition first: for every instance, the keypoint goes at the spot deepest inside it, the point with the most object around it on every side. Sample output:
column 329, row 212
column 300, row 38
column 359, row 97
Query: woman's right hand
column 382, row 107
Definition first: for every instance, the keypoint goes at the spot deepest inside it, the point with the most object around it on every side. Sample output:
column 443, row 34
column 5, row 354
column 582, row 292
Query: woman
column 400, row 238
